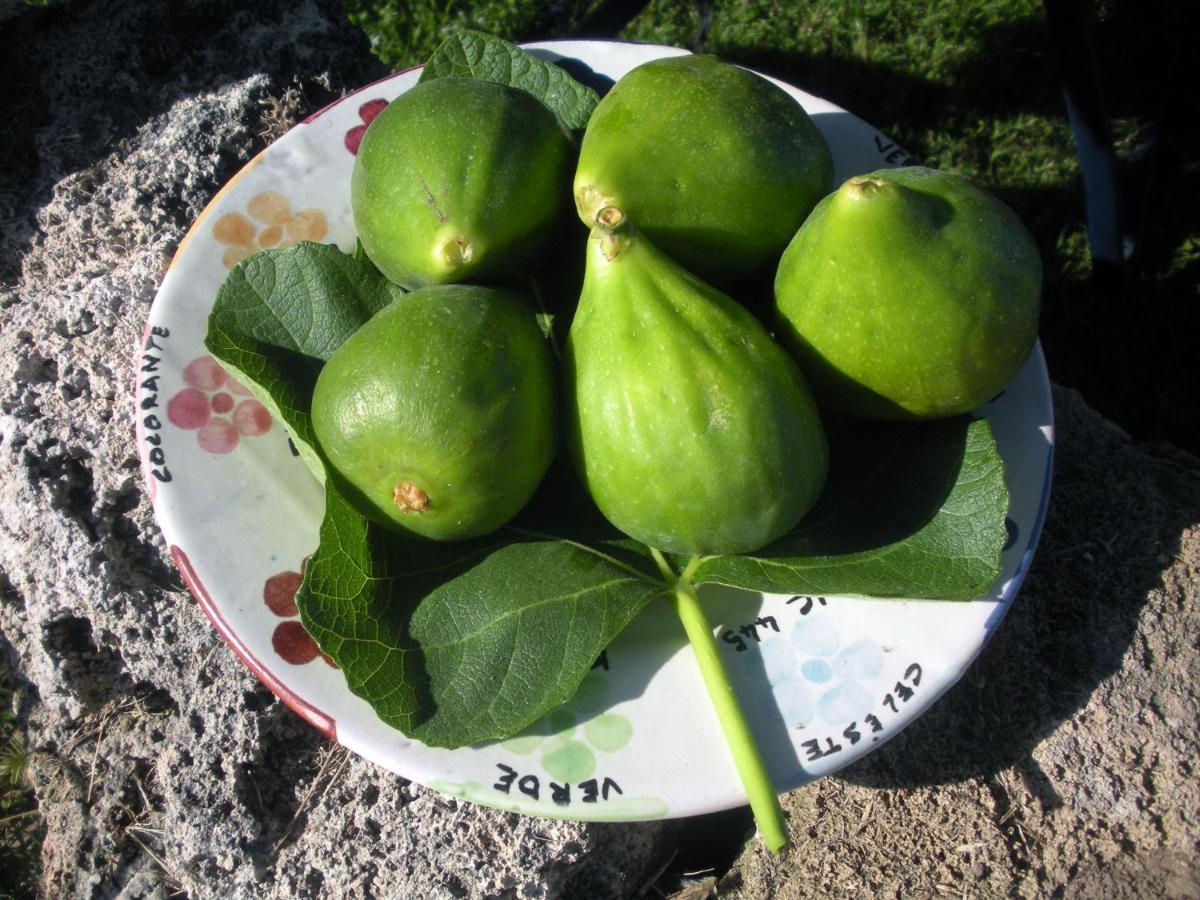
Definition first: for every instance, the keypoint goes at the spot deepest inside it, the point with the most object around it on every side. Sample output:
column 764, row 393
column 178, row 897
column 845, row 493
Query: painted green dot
column 571, row 761
column 608, row 732
column 592, row 694
column 561, row 722
column 522, row 743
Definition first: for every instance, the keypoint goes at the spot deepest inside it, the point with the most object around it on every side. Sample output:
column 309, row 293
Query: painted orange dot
column 234, row 255
column 271, row 237
column 307, row 225
column 269, row 207
column 234, row 229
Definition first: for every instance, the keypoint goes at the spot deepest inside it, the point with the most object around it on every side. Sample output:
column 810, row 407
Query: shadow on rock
column 272, row 788
column 1113, row 528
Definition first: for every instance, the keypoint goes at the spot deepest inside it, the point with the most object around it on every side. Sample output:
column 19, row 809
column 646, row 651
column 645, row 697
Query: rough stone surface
column 1064, row 764
column 160, row 763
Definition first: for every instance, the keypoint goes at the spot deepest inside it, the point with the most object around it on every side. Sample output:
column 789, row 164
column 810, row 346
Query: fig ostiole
column 715, row 164
column 438, row 416
column 459, row 180
column 694, row 432
column 909, row 294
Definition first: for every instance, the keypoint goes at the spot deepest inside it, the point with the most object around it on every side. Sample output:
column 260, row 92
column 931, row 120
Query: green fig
column 715, row 164
column 460, row 179
column 693, row 430
column 909, row 293
column 437, row 417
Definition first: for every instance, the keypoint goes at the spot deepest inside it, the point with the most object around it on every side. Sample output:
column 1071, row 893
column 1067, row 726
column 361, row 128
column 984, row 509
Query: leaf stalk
column 764, row 801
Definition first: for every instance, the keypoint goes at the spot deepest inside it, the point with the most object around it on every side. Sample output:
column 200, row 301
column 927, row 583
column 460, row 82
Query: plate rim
column 326, row 724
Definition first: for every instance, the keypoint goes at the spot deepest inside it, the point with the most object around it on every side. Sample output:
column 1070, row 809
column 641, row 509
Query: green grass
column 972, row 87
column 21, row 828
column 404, row 34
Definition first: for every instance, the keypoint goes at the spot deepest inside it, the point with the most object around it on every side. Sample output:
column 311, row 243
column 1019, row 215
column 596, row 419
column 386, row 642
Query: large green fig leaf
column 463, row 642
column 473, row 54
column 911, row 510
column 456, row 643
column 279, row 314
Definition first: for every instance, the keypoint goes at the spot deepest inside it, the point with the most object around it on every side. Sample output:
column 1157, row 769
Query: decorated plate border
column 824, row 679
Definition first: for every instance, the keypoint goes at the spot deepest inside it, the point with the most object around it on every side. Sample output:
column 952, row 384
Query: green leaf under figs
column 472, row 54
column 459, row 643
column 281, row 380
column 307, row 298
column 911, row 510
column 278, row 316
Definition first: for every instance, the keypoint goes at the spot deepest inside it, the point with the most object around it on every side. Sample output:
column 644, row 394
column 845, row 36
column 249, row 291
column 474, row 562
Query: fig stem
column 764, row 801
column 664, row 567
column 613, row 231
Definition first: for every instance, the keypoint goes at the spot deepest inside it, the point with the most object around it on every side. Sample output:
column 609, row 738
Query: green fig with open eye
column 715, row 164
column 909, row 294
column 459, row 179
column 693, row 430
column 438, row 416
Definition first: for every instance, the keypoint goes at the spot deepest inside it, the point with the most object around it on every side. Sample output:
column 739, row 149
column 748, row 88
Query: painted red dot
column 252, row 418
column 188, row 409
column 293, row 643
column 354, row 137
column 279, row 593
column 222, row 403
column 329, row 661
column 205, row 373
column 369, row 110
column 218, row 436
column 236, row 387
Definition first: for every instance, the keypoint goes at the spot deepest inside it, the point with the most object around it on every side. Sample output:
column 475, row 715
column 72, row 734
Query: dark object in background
column 1110, row 244
column 610, row 17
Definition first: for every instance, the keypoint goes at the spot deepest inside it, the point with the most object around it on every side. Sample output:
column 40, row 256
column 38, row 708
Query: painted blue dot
column 816, row 670
column 844, row 703
column 795, row 703
column 778, row 660
column 817, row 636
column 862, row 659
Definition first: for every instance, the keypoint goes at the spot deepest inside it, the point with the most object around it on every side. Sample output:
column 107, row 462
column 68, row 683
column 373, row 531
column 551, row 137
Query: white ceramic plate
column 824, row 680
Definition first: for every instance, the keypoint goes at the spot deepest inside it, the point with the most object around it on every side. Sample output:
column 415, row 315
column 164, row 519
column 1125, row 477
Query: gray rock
column 160, row 763
column 1064, row 764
